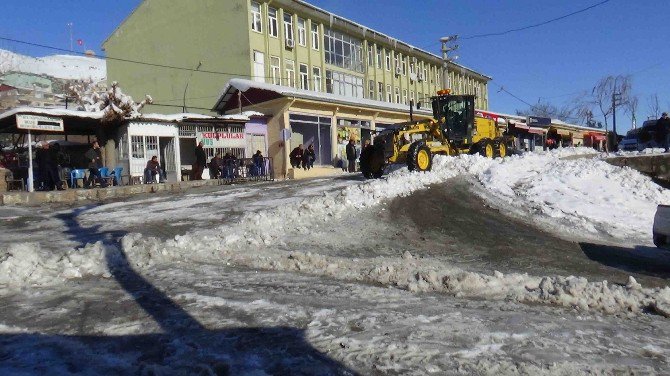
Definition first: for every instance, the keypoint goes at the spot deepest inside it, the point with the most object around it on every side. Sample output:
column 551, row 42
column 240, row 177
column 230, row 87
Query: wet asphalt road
column 454, row 223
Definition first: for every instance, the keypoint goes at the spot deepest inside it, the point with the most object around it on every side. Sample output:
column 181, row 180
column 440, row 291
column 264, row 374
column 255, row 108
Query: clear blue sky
column 564, row 57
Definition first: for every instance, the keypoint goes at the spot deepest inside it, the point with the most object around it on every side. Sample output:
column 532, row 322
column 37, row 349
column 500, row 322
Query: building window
column 389, row 94
column 288, row 27
column 371, row 54
column 137, row 146
column 379, row 58
column 380, row 91
column 290, row 73
column 259, row 66
column 304, row 77
column 388, row 60
column 371, row 89
column 256, row 23
column 275, row 70
column 425, row 74
column 397, row 95
column 412, row 99
column 343, row 51
column 316, row 76
column 302, row 32
column 412, row 68
column 315, row 36
column 404, row 96
column 404, row 67
column 396, row 63
column 273, row 30
column 437, row 78
column 344, row 84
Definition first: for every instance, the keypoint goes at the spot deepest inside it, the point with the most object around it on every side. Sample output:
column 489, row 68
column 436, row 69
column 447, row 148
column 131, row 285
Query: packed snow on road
column 343, row 276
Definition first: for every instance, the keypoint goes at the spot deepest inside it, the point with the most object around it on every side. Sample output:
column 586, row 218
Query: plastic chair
column 77, row 174
column 117, row 175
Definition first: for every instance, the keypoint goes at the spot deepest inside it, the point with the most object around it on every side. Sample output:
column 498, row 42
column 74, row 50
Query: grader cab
column 453, row 130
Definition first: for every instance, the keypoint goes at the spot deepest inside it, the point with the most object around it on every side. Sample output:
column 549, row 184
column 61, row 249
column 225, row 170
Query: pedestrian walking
column 351, row 155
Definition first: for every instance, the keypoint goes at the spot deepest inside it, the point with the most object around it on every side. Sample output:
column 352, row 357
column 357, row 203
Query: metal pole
column 31, row 188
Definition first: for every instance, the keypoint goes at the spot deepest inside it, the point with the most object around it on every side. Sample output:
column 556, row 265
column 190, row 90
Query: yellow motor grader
column 454, row 130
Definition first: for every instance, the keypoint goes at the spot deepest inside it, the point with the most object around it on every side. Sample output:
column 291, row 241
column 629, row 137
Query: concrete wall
column 181, row 33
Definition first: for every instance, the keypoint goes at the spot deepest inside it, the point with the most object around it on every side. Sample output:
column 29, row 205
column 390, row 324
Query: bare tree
column 654, row 106
column 113, row 102
column 605, row 88
column 631, row 108
column 546, row 109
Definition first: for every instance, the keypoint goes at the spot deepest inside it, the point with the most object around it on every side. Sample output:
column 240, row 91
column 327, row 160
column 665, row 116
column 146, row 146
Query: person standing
column 259, row 163
column 94, row 157
column 663, row 131
column 215, row 166
column 351, row 155
column 200, row 162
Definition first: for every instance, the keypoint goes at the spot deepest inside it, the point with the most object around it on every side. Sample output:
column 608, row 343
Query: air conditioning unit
column 420, row 76
column 398, row 70
column 290, row 43
column 413, row 76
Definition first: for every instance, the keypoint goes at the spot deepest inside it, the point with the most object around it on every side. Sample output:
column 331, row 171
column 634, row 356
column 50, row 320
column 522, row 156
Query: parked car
column 661, row 232
column 640, row 138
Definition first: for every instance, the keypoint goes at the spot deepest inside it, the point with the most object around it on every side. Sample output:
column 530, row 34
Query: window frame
column 290, row 72
column 288, row 28
column 257, row 17
column 316, row 76
column 304, row 76
column 275, row 70
column 302, row 32
column 273, row 22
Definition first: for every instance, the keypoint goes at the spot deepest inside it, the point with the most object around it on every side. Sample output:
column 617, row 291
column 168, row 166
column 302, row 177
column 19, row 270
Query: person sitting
column 216, row 166
column 153, row 168
column 308, row 158
column 94, row 157
column 296, row 156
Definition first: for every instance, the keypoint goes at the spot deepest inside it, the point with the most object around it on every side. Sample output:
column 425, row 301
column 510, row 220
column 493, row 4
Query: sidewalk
column 97, row 194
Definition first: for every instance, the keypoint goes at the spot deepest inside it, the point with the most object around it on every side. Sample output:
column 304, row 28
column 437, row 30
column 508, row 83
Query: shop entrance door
column 167, row 157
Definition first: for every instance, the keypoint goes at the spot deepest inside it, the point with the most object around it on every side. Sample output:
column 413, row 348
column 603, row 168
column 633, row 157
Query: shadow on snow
column 184, row 347
column 649, row 261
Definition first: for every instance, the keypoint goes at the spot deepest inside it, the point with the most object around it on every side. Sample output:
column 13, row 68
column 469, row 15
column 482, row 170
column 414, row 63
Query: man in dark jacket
column 94, row 158
column 215, row 166
column 153, row 168
column 663, row 131
column 296, row 156
column 351, row 155
column 308, row 157
column 200, row 162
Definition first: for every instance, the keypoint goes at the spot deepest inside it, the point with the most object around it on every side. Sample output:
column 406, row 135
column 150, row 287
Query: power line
column 538, row 24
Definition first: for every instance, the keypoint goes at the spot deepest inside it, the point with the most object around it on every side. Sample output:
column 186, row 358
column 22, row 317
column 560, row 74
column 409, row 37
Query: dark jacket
column 153, row 166
column 351, row 152
column 296, row 154
column 257, row 159
column 309, row 155
column 42, row 158
column 94, row 158
column 200, row 156
column 662, row 128
column 215, row 163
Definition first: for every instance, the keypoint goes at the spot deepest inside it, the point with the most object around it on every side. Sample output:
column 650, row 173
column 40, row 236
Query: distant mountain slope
column 66, row 67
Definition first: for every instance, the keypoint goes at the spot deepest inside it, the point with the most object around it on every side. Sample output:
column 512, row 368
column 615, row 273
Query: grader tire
column 487, row 149
column 419, row 157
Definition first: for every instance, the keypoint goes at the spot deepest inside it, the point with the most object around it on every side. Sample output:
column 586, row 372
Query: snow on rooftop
column 69, row 67
column 245, row 85
column 51, row 112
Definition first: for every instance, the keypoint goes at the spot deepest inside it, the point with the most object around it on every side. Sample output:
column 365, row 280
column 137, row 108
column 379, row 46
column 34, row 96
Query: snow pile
column 583, row 194
column 58, row 66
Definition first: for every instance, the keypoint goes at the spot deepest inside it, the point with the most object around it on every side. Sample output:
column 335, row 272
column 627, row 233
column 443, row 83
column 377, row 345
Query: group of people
column 301, row 157
column 224, row 166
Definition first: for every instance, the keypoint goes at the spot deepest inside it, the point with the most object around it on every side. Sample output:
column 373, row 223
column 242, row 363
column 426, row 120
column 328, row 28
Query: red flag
column 80, row 42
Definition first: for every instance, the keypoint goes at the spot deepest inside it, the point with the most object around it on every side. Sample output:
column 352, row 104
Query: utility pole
column 70, row 25
column 446, row 58
column 615, row 97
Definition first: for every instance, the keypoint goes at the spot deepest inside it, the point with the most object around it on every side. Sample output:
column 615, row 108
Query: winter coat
column 662, row 128
column 94, row 158
column 351, row 152
column 257, row 159
column 153, row 165
column 309, row 155
column 200, row 156
column 296, row 154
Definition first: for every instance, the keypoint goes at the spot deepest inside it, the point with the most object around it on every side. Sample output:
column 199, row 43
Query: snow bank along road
column 365, row 277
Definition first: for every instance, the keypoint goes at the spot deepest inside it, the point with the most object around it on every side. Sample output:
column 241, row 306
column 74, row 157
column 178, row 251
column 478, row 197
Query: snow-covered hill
column 66, row 67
